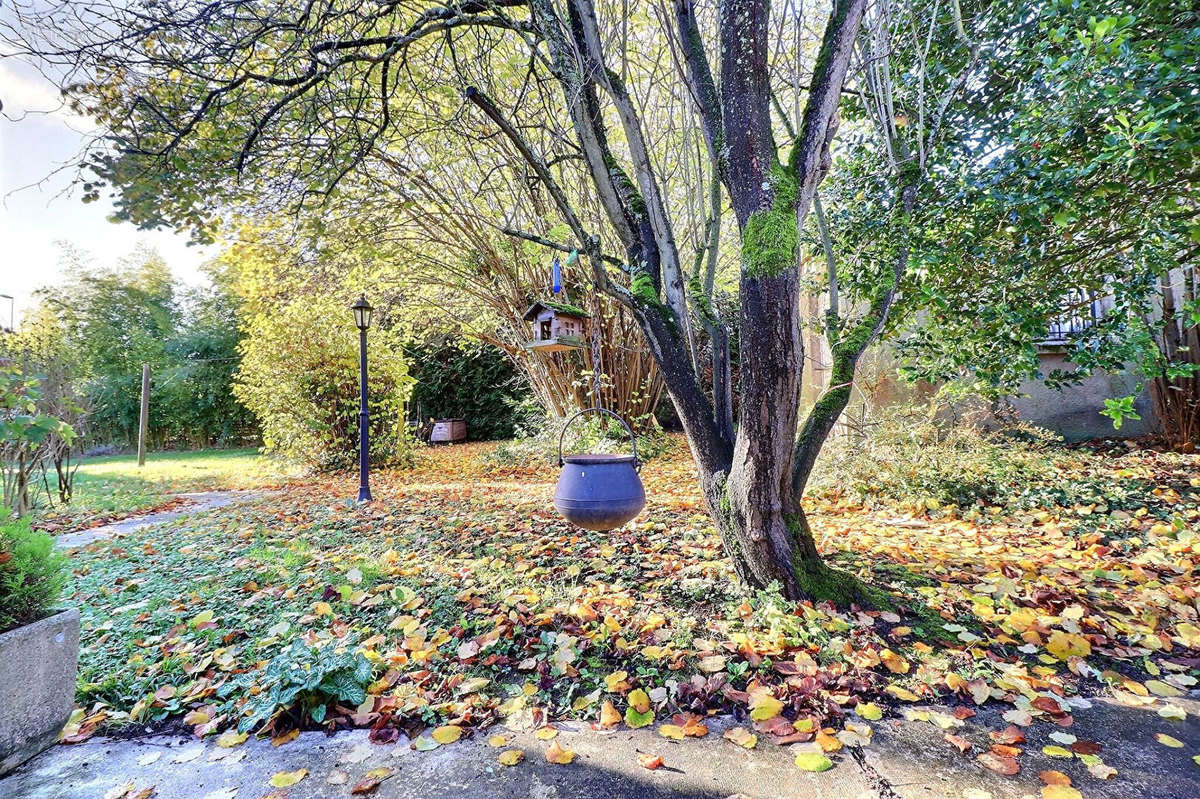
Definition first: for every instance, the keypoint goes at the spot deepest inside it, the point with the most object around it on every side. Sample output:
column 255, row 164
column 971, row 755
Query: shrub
column 28, row 438
column 473, row 382
column 299, row 377
column 919, row 454
column 303, row 680
column 32, row 574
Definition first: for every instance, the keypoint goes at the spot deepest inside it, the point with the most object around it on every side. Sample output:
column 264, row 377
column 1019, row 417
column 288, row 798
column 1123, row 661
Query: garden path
column 198, row 502
column 905, row 760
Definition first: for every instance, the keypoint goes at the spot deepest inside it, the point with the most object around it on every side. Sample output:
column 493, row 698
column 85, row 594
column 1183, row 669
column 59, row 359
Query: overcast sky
column 37, row 137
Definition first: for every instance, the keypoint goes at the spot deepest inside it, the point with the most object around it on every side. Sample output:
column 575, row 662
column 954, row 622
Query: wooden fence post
column 144, row 417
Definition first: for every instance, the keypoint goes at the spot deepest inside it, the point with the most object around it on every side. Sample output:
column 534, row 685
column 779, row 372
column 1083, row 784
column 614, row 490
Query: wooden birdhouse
column 557, row 326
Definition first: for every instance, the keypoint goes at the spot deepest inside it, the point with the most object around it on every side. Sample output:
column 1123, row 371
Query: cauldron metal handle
column 637, row 464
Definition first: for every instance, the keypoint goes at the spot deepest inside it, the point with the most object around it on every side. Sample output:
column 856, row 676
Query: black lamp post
column 362, row 320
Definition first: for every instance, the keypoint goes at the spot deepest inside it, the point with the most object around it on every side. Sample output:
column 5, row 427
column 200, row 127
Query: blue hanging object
column 557, row 276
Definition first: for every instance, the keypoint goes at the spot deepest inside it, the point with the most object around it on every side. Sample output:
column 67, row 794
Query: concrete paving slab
column 605, row 767
column 905, row 760
column 917, row 763
column 197, row 503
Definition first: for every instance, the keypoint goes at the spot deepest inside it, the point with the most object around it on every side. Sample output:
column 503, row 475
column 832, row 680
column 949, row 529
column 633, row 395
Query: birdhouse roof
column 560, row 308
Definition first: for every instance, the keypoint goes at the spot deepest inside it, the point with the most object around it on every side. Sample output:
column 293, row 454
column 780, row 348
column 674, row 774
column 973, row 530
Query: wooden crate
column 446, row 431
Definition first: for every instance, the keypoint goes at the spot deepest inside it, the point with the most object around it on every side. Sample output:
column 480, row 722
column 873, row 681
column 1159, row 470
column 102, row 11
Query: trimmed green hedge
column 472, row 381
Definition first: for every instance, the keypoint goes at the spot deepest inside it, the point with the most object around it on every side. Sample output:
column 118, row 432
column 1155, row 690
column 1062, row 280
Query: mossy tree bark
column 747, row 475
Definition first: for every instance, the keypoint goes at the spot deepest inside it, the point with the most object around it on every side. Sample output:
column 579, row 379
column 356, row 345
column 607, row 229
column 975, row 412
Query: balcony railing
column 1081, row 310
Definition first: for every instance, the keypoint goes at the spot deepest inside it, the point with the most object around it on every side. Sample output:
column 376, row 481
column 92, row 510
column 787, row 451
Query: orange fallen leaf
column 557, row 755
column 650, row 762
column 959, row 743
column 1009, row 735
column 290, row 735
column 609, row 716
column 1001, row 765
column 371, row 781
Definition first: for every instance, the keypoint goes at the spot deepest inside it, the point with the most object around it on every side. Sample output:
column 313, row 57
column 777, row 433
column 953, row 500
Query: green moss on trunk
column 770, row 237
column 821, row 583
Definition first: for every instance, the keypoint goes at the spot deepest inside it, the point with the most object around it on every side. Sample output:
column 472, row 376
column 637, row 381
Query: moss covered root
column 822, row 583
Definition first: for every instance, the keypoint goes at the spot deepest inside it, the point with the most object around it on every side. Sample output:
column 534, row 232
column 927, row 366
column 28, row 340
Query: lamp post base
column 364, row 494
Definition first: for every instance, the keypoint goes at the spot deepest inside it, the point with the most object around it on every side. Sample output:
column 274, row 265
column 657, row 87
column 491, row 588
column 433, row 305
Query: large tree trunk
column 761, row 500
column 748, row 478
column 759, row 511
column 757, row 500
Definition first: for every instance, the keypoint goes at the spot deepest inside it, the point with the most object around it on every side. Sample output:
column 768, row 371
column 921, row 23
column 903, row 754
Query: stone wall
column 1074, row 411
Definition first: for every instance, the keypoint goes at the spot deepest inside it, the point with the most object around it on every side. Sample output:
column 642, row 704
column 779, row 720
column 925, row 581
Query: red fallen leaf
column 793, row 738
column 650, row 762
column 776, row 725
column 1064, row 721
column 1001, row 765
column 963, row 712
column 787, row 667
column 1086, row 748
column 384, row 735
column 1003, row 750
column 1048, row 705
column 734, row 695
column 1011, row 734
column 959, row 743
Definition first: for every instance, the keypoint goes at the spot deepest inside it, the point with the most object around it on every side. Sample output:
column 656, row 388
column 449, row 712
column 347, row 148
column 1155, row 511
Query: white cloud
column 40, row 139
column 26, row 93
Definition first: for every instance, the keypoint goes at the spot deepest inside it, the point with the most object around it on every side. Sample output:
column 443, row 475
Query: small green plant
column 538, row 436
column 303, row 680
column 914, row 454
column 32, row 574
column 28, row 438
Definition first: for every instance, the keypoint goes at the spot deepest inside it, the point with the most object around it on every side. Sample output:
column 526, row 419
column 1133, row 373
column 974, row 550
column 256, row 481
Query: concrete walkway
column 905, row 759
column 198, row 502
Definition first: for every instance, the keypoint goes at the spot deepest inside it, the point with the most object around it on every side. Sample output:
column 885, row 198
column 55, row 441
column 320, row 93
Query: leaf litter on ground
column 475, row 605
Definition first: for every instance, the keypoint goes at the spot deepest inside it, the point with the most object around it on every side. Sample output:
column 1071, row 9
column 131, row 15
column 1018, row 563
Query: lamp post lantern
column 362, row 320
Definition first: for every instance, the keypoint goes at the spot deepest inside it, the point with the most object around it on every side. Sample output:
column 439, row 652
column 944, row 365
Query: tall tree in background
column 89, row 336
column 191, row 106
column 116, row 319
column 1079, row 186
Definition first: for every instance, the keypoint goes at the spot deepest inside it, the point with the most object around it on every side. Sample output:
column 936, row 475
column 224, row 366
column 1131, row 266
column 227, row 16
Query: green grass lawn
column 115, row 486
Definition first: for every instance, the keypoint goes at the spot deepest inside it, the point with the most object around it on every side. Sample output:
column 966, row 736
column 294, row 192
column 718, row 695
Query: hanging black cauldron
column 597, row 491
